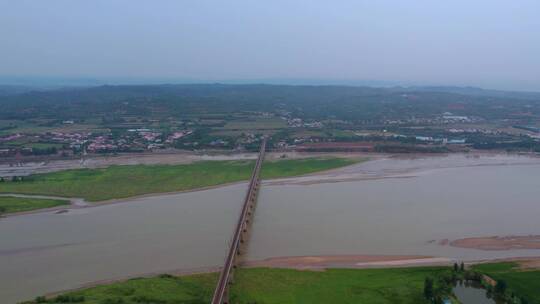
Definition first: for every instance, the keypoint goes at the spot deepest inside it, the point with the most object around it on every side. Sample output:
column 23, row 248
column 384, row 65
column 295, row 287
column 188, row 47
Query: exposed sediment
column 346, row 261
column 499, row 242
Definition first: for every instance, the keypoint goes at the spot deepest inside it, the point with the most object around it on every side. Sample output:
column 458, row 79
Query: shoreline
column 335, row 175
column 78, row 203
column 498, row 243
column 36, row 166
column 318, row 263
column 86, row 204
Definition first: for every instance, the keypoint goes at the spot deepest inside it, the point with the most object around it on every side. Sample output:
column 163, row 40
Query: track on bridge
column 225, row 277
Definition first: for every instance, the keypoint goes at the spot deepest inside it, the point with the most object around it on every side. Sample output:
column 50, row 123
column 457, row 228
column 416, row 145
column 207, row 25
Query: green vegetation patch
column 11, row 204
column 18, row 126
column 265, row 285
column 127, row 181
column 525, row 283
column 165, row 289
column 295, row 167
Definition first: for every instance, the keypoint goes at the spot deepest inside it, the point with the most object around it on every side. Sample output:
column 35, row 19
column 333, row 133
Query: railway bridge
column 221, row 293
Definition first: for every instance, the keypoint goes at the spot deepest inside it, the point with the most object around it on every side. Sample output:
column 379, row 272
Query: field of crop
column 256, row 124
column 41, row 126
column 271, row 286
column 127, row 181
column 9, row 204
column 525, row 283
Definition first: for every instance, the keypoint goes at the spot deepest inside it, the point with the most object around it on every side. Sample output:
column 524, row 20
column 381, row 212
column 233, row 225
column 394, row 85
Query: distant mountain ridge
column 475, row 91
column 202, row 88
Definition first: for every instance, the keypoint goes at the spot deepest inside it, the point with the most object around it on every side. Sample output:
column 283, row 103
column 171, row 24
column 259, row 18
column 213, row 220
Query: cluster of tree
column 527, row 128
column 437, row 289
column 16, row 179
column 60, row 299
column 518, row 145
column 10, row 126
column 309, row 102
column 503, row 293
column 40, row 151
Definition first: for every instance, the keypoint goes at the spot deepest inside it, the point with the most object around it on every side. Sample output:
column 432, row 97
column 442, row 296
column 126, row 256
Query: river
column 386, row 206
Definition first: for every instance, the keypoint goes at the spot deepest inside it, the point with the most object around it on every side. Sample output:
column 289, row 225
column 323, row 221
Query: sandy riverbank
column 406, row 166
column 320, row 263
column 13, row 168
column 74, row 203
column 378, row 166
column 313, row 263
column 347, row 261
column 77, row 203
column 499, row 242
column 378, row 261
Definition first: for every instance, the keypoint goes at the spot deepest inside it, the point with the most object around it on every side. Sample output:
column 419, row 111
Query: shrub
column 500, row 288
column 40, row 300
column 113, row 301
column 69, row 299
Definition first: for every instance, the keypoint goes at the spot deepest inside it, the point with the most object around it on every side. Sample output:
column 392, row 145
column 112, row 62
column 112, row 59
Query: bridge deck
column 220, row 294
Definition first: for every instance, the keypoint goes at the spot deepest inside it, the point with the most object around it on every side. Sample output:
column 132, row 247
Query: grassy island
column 116, row 182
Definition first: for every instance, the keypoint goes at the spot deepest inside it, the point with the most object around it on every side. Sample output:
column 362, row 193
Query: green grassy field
column 269, row 286
column 381, row 286
column 163, row 289
column 295, row 167
column 126, row 181
column 19, row 204
column 525, row 283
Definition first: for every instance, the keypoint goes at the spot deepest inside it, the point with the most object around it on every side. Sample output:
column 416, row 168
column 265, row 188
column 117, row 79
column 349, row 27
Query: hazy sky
column 489, row 43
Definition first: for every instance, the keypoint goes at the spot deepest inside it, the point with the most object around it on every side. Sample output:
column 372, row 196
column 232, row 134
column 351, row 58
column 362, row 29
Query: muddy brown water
column 439, row 198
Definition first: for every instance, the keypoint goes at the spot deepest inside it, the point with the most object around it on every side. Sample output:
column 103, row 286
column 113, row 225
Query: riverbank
column 119, row 182
column 12, row 204
column 387, row 216
column 348, row 261
column 267, row 285
column 286, row 285
column 299, row 169
column 12, row 167
column 379, row 261
column 499, row 242
column 408, row 166
column 16, row 168
column 324, row 263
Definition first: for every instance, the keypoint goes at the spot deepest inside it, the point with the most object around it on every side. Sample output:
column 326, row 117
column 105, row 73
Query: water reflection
column 471, row 292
